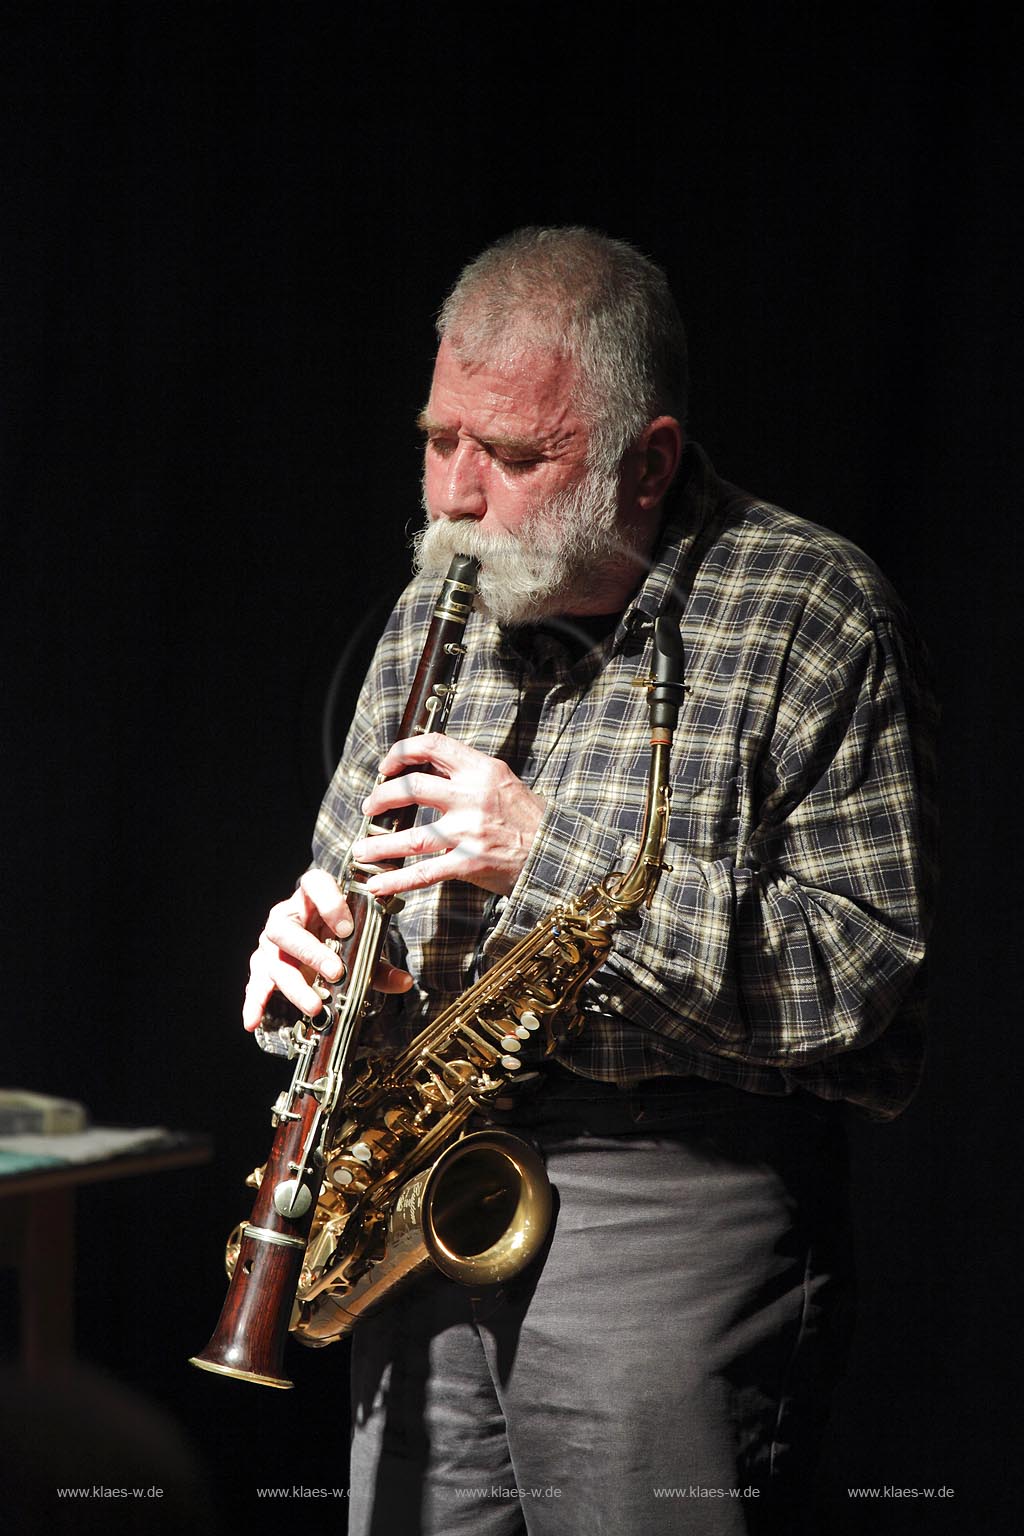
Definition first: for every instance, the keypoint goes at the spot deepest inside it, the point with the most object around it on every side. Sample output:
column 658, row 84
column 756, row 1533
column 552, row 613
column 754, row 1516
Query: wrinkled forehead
column 519, row 380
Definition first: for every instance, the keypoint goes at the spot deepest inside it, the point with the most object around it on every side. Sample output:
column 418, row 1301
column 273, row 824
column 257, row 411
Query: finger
column 388, row 846
column 444, row 752
column 254, row 1002
column 287, row 935
column 388, row 978
column 292, row 984
column 455, row 865
column 411, row 789
column 324, row 896
column 270, row 972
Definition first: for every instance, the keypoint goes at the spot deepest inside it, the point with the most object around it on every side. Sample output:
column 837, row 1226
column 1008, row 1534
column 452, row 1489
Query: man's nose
column 460, row 489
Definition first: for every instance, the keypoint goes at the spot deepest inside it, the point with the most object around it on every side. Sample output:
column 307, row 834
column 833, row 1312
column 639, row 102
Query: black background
column 226, row 230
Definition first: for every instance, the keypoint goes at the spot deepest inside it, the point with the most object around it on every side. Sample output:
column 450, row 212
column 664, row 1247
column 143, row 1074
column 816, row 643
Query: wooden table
column 37, row 1237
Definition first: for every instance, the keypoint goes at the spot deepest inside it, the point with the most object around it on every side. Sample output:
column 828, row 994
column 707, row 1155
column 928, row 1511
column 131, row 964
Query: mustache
column 551, row 557
column 514, row 581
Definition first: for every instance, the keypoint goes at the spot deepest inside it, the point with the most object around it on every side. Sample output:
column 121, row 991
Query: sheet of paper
column 89, row 1146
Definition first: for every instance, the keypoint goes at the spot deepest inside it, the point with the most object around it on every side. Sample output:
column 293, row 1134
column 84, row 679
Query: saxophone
column 404, row 1187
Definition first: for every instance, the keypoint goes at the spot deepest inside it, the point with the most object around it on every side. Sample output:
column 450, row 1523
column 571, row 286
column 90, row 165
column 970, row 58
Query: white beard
column 556, row 561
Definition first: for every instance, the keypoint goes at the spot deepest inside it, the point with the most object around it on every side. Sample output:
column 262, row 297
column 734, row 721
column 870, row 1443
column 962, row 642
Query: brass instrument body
column 407, row 1113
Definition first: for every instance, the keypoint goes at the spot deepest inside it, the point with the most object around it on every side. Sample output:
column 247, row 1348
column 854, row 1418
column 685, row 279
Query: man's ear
column 657, row 453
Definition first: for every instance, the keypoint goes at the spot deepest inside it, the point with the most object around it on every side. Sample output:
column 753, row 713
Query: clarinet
column 248, row 1341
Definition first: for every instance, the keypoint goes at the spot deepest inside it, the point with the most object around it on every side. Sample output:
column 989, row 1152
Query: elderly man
column 665, row 1365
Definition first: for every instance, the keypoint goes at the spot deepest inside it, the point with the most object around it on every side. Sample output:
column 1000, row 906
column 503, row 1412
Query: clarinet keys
column 292, row 1199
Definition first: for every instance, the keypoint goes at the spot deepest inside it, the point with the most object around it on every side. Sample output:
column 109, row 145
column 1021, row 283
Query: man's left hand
column 488, row 818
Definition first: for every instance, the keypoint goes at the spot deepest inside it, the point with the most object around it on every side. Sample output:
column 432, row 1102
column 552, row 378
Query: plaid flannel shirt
column 784, row 946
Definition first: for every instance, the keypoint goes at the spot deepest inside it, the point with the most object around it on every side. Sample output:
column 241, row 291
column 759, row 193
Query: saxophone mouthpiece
column 667, row 686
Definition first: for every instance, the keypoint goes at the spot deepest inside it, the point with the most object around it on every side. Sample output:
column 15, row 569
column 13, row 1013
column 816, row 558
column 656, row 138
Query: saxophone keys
column 510, row 1063
column 510, row 1043
column 529, row 1020
column 347, row 1177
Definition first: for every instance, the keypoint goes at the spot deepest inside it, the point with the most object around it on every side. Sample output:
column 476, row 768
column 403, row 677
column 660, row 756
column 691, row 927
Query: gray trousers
column 665, row 1366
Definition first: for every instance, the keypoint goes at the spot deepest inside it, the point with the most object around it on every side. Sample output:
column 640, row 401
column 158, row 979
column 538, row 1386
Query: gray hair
column 596, row 301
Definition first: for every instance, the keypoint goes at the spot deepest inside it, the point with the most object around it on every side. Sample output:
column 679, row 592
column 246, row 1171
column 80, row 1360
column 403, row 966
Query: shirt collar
column 689, row 509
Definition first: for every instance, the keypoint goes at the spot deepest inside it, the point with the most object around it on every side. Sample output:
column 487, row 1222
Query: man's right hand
column 292, row 950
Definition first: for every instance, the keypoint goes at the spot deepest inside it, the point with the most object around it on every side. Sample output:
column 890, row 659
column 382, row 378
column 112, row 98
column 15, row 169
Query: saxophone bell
column 479, row 1214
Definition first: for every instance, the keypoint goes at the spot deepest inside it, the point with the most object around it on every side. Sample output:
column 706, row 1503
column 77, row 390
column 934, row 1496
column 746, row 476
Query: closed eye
column 515, row 466
column 443, row 447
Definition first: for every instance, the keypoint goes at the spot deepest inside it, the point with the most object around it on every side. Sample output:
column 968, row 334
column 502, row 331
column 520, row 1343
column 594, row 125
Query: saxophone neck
column 634, row 888
column 628, row 890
